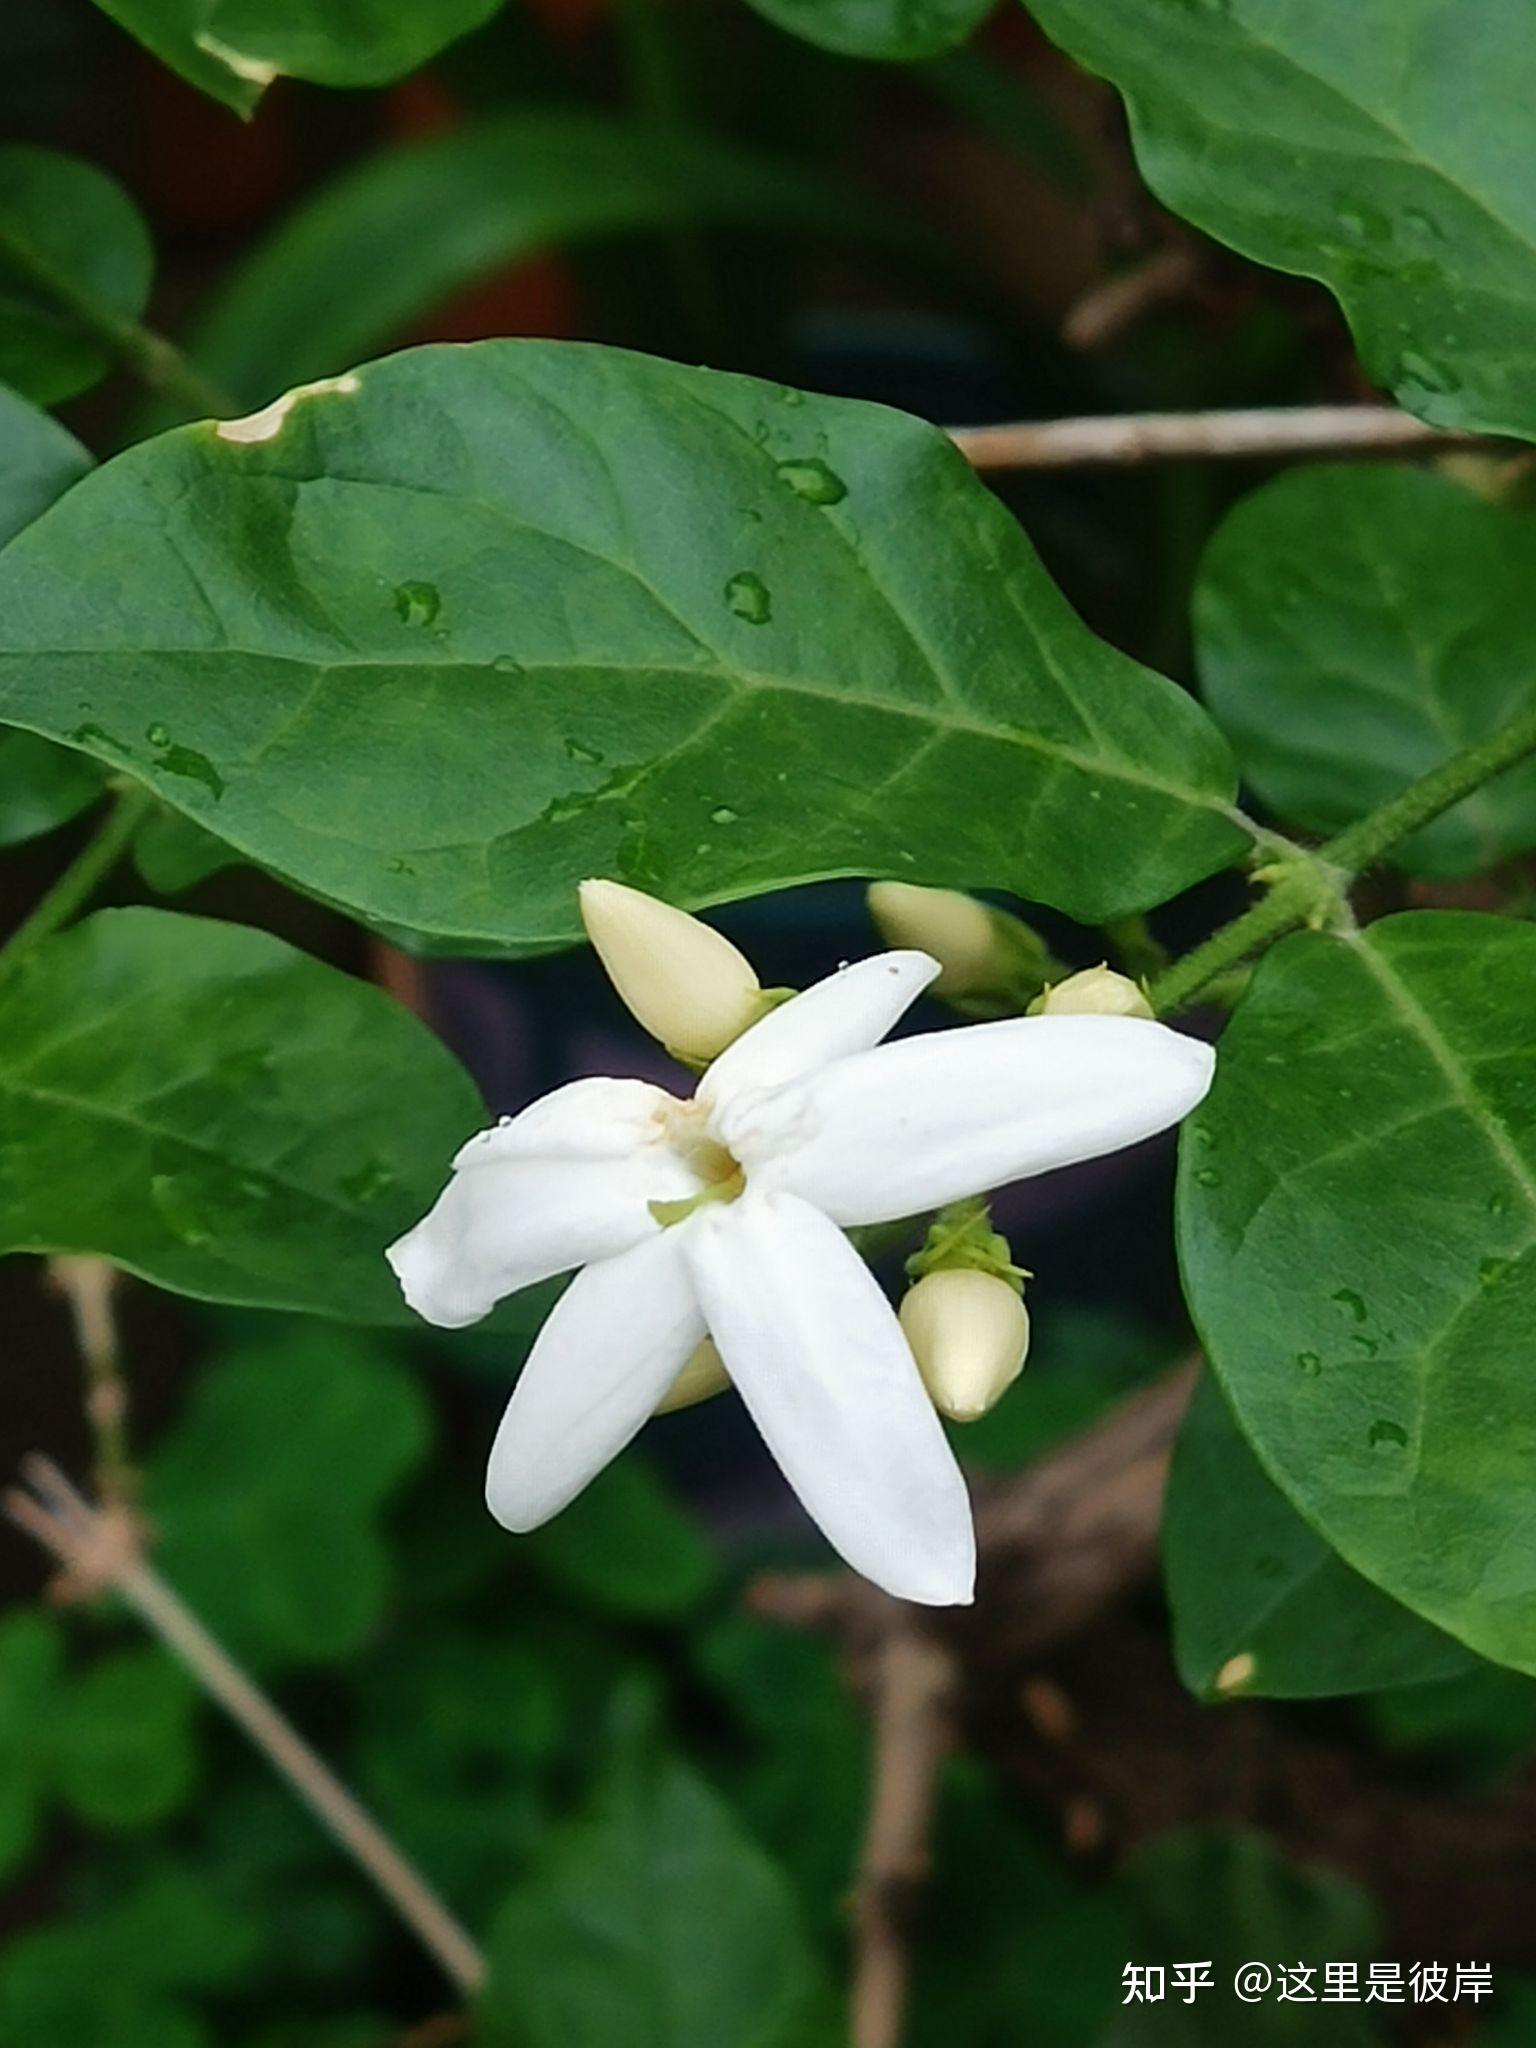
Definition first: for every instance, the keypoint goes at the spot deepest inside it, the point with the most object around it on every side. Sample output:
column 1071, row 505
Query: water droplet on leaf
column 749, row 598
column 1208, row 1177
column 577, row 750
column 1310, row 1363
column 810, row 478
column 1347, row 1298
column 1390, row 1435
column 722, row 814
column 417, row 604
column 158, row 735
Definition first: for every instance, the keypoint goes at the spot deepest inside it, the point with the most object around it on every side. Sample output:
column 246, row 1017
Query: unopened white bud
column 969, row 1331
column 1096, row 992
column 684, row 981
column 702, row 1375
column 956, row 929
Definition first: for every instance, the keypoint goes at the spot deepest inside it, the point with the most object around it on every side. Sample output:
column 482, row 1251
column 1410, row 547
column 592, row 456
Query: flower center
column 706, row 1158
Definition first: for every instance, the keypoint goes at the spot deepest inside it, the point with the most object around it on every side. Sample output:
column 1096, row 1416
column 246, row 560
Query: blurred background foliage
column 645, row 1799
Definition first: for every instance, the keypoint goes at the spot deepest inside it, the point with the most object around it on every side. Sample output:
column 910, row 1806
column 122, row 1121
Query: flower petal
column 612, row 1345
column 847, row 1012
column 505, row 1222
column 909, row 1126
column 596, row 1118
column 817, row 1355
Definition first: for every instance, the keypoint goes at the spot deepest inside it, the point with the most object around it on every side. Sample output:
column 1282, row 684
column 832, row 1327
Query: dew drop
column 507, row 665
column 791, row 396
column 748, row 597
column 811, row 478
column 1498, row 1203
column 1347, row 1298
column 157, row 734
column 1368, row 1345
column 1491, row 1271
column 1310, row 1363
column 722, row 814
column 417, row 604
column 398, row 865
column 1392, row 1435
column 1208, row 1177
column 577, row 750
column 179, row 1209
column 195, row 767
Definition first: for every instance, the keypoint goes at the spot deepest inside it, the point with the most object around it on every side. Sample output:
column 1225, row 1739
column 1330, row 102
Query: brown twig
column 1131, row 439
column 913, row 1698
column 1107, row 309
column 99, row 1551
column 89, row 1286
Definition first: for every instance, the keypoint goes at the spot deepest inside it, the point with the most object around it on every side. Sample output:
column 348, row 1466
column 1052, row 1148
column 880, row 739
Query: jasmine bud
column 684, row 981
column 701, row 1377
column 1095, row 992
column 990, row 962
column 969, row 1332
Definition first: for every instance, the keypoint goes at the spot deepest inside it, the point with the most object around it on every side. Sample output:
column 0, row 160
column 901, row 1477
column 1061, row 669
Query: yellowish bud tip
column 684, row 981
column 702, row 1375
column 956, row 929
column 969, row 1332
column 1096, row 992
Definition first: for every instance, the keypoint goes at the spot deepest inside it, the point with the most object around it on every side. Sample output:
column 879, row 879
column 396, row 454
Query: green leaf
column 41, row 786
column 219, row 1113
column 1261, row 1605
column 68, row 235
column 39, row 459
column 467, row 204
column 457, row 1731
column 626, row 1543
column 1228, row 1896
column 892, row 29
column 268, row 1494
column 31, row 1662
column 170, row 852
column 1357, row 1217
column 654, row 1921
column 117, row 1977
column 1364, row 145
column 126, row 1740
column 1355, row 628
column 437, row 641
column 1483, row 1723
column 233, row 49
column 802, row 1783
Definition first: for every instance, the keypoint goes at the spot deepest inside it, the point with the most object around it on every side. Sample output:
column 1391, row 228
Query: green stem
column 156, row 362
column 79, row 881
column 1295, row 894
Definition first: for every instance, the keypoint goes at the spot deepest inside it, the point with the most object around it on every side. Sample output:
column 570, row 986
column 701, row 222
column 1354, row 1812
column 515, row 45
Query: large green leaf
column 655, row 1921
column 266, row 1498
column 441, row 639
column 1356, row 627
column 1357, row 1225
column 1261, row 1605
column 233, row 49
column 67, row 232
column 465, row 205
column 899, row 29
column 41, row 785
column 217, row 1112
column 39, row 460
column 626, row 1543
column 1367, row 145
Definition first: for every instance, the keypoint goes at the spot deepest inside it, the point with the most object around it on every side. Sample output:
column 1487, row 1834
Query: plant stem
column 1294, row 896
column 156, row 362
column 90, row 866
column 88, row 1285
column 1272, row 434
column 99, row 1553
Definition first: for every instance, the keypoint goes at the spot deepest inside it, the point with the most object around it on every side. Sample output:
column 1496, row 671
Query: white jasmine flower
column 723, row 1216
